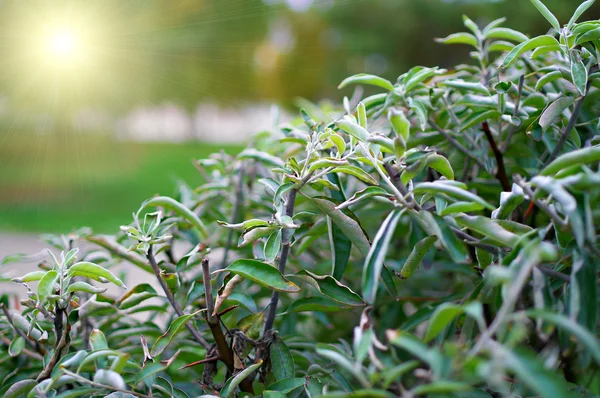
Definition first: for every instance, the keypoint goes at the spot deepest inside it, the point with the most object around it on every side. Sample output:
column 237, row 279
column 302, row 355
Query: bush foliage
column 436, row 238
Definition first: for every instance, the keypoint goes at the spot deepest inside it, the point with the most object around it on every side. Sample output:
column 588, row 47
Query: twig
column 397, row 183
column 35, row 345
column 456, row 144
column 529, row 261
column 171, row 298
column 225, row 352
column 285, row 250
column 500, row 169
column 119, row 251
column 571, row 123
column 31, row 354
column 554, row 274
column 513, row 128
column 103, row 386
column 542, row 206
column 58, row 323
column 60, row 346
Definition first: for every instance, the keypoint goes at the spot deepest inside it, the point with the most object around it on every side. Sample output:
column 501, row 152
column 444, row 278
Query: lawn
column 58, row 183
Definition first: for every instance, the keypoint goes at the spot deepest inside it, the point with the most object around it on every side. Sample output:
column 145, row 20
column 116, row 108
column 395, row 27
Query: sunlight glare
column 63, row 43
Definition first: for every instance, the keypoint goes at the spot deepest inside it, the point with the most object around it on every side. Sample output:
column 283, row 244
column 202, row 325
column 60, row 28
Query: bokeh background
column 104, row 103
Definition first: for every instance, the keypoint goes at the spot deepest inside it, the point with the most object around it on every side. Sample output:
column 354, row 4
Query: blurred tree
column 187, row 51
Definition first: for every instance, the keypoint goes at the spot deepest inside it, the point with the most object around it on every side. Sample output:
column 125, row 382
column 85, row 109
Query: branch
column 225, row 352
column 171, row 299
column 31, row 354
column 285, row 250
column 103, row 386
column 542, row 206
column 35, row 345
column 63, row 342
column 501, row 170
column 571, row 124
column 119, row 251
column 456, row 144
column 529, row 261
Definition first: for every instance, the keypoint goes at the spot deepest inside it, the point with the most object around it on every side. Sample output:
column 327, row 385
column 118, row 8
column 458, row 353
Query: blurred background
column 104, row 103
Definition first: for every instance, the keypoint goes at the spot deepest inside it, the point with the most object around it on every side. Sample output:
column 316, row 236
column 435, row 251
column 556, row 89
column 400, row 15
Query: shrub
column 365, row 265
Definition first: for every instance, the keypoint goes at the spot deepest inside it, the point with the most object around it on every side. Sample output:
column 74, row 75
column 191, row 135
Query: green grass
column 60, row 183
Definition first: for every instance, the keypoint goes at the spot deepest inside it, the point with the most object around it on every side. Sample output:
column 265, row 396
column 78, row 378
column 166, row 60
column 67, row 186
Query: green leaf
column 531, row 371
column 96, row 355
column 547, row 14
column 587, row 156
column 394, row 374
column 580, row 10
column 353, row 129
column 84, row 287
column 179, row 209
column 149, row 370
column 487, row 227
column 16, row 346
column 98, row 340
column 345, row 363
column 341, row 247
column 416, row 256
column 530, row 44
column 580, row 76
column 374, row 261
column 46, row 286
column 30, row 277
column 365, row 78
column 263, row 157
column 364, row 194
column 263, row 274
column 136, row 295
column 587, row 339
column 500, row 46
column 348, row 225
column 459, row 38
column 419, row 77
column 287, row 385
column 463, row 85
column 477, row 118
column 272, row 246
column 441, row 165
column 320, row 304
column 20, row 388
column 438, row 226
column 591, row 35
column 93, row 271
column 460, row 207
column 505, row 33
column 440, row 188
column 163, row 341
column 441, row 387
column 447, row 312
column 548, row 78
column 356, row 172
column 251, row 325
column 282, row 361
column 326, row 162
column 234, row 381
column 414, row 346
column 333, row 289
column 400, row 123
column 509, row 202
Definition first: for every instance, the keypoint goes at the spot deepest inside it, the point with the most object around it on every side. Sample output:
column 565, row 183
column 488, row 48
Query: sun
column 62, row 44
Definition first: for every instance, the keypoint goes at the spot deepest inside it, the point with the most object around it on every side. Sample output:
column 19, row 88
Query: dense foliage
column 436, row 239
